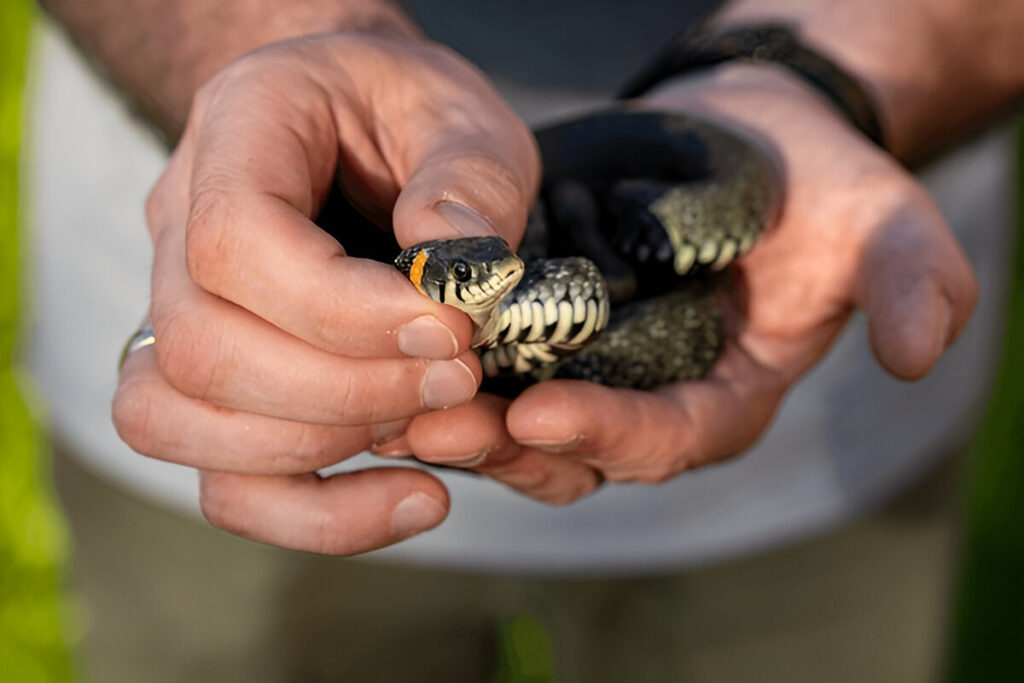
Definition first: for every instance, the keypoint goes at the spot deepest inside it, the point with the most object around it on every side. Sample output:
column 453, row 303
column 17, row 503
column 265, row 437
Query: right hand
column 276, row 353
column 855, row 231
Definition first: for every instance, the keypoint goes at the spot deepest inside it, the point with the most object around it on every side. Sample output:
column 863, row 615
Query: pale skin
column 278, row 355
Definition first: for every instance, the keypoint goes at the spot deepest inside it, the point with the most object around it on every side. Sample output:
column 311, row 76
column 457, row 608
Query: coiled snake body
column 615, row 280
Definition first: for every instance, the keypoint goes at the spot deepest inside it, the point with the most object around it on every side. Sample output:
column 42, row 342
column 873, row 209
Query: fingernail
column 416, row 513
column 471, row 461
column 447, row 383
column 397, row 448
column 560, row 446
column 383, row 432
column 427, row 337
column 465, row 219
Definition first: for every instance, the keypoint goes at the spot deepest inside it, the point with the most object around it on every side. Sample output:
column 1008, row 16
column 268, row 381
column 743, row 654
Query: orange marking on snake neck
column 416, row 270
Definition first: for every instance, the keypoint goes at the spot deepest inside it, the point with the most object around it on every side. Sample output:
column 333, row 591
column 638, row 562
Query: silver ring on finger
column 142, row 338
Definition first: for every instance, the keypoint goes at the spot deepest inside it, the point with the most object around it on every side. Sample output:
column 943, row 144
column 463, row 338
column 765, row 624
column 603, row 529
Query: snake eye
column 461, row 271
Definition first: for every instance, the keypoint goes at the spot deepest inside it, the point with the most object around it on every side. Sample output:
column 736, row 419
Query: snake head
column 471, row 273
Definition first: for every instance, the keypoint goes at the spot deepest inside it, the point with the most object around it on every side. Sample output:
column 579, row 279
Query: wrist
column 935, row 69
column 159, row 53
column 253, row 29
column 759, row 97
column 792, row 123
column 772, row 44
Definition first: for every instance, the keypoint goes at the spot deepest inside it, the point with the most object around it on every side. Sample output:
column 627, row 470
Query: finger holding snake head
column 472, row 273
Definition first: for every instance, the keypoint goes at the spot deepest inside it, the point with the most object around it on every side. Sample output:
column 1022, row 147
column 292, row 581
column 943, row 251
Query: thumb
column 917, row 289
column 470, row 189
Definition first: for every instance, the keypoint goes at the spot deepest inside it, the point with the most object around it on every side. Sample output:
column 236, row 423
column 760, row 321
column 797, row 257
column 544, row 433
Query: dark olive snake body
column 615, row 279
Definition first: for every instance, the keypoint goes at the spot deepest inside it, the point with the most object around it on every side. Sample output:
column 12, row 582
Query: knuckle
column 155, row 206
column 360, row 397
column 530, row 475
column 212, row 506
column 132, row 413
column 332, row 321
column 350, row 404
column 262, row 78
column 219, row 501
column 207, row 94
column 312, row 447
column 209, row 244
column 189, row 354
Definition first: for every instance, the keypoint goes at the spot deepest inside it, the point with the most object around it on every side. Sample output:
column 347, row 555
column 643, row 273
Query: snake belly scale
column 615, row 281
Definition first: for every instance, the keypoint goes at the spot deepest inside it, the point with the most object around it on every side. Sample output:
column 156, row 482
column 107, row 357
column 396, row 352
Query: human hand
column 276, row 353
column 856, row 230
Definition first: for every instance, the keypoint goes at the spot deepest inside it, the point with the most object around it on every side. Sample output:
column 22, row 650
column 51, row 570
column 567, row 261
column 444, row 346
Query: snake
column 618, row 277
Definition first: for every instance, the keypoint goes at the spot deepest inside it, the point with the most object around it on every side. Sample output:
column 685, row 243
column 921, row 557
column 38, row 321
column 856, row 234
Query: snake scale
column 639, row 214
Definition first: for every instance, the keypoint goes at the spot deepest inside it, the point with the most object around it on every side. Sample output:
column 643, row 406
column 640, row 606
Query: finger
column 473, row 177
column 210, row 349
column 472, row 195
column 650, row 436
column 275, row 263
column 550, row 478
column 148, row 415
column 389, row 438
column 916, row 288
column 473, row 436
column 340, row 515
column 168, row 201
column 260, row 170
column 463, row 436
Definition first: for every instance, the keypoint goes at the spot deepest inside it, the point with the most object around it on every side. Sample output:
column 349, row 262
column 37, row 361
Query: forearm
column 160, row 52
column 936, row 68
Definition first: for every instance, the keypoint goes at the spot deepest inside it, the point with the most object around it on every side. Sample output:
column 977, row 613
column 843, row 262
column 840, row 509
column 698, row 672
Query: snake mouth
column 495, row 279
column 506, row 275
column 510, row 273
column 501, row 278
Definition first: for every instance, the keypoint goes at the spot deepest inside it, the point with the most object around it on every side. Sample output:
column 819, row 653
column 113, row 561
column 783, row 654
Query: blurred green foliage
column 988, row 616
column 32, row 538
column 524, row 652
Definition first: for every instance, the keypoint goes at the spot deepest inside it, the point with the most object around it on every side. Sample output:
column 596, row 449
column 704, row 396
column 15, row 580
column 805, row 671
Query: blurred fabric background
column 37, row 630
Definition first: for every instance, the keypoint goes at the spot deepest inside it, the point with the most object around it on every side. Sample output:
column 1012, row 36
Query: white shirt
column 847, row 437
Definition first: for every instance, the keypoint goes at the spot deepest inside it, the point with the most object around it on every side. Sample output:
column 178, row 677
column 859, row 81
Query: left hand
column 856, row 230
column 277, row 352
